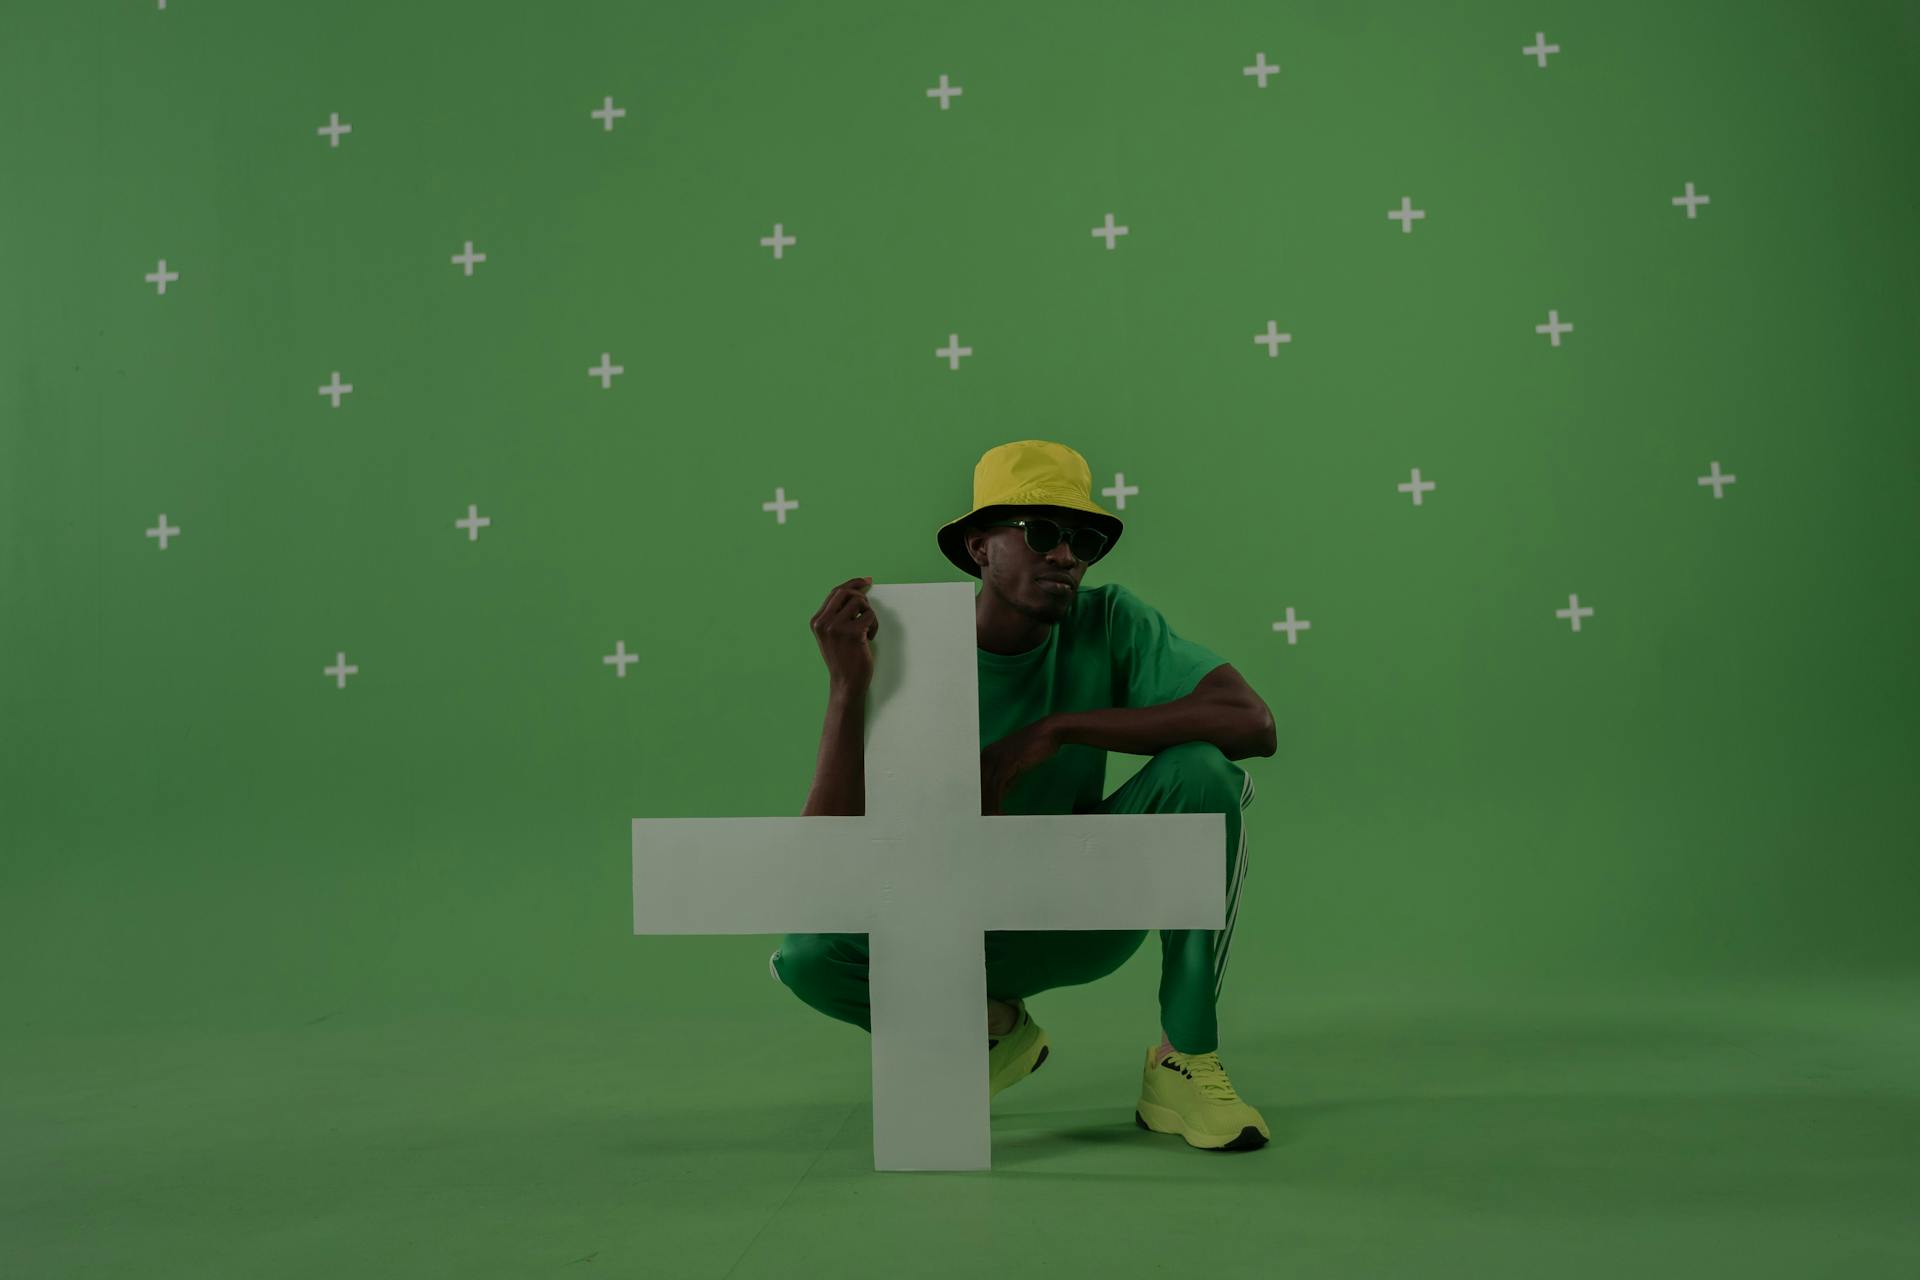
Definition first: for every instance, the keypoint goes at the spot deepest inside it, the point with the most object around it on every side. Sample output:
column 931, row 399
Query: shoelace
column 1208, row 1074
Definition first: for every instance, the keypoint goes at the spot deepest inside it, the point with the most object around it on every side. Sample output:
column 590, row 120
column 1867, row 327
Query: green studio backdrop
column 768, row 225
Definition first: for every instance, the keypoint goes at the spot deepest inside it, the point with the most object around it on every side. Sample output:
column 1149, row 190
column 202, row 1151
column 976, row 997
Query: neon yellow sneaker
column 1016, row 1055
column 1189, row 1094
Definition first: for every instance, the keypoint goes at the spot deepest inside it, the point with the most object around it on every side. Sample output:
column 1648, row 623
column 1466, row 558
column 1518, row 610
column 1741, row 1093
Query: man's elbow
column 1261, row 740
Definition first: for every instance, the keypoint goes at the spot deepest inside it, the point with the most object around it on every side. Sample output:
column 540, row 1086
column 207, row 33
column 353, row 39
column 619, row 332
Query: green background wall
column 1713, row 776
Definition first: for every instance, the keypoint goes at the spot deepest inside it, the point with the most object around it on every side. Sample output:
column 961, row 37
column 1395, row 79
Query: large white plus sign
column 924, row 875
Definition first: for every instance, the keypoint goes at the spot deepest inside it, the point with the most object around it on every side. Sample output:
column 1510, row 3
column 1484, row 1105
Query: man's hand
column 1012, row 756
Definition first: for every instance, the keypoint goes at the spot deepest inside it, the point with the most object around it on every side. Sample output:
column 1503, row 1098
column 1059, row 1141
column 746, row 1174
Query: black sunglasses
column 1044, row 535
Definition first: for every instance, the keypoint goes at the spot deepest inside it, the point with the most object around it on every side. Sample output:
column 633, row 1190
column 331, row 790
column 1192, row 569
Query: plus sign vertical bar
column 923, row 757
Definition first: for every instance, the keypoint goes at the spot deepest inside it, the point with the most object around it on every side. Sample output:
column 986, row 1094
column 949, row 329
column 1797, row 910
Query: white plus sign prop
column 924, row 875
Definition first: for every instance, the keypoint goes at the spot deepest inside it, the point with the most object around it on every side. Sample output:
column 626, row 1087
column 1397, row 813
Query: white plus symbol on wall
column 620, row 658
column 606, row 369
column 1407, row 213
column 334, row 128
column 943, row 92
column 469, row 257
column 1273, row 338
column 1542, row 48
column 1715, row 479
column 473, row 522
column 1574, row 611
column 777, row 241
column 1110, row 231
column 607, row 113
column 1690, row 200
column 1291, row 627
column 779, row 506
column 953, row 351
column 166, row 529
column 1119, row 490
column 163, row 275
column 1553, row 328
column 340, row 670
column 336, row 390
column 1415, row 486
column 1261, row 67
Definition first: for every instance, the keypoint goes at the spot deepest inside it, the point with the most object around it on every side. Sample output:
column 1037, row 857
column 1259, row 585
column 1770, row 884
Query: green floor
column 1737, row 1131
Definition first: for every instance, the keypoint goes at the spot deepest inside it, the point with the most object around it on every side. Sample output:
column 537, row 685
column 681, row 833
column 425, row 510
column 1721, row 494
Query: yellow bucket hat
column 1026, row 473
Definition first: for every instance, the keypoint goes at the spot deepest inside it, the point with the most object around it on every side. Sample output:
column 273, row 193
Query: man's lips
column 1064, row 584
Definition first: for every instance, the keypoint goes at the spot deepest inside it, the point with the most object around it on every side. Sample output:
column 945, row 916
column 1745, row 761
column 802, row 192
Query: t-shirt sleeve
column 1151, row 664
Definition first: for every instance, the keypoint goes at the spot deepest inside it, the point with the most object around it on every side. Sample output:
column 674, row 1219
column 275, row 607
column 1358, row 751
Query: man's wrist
column 1054, row 726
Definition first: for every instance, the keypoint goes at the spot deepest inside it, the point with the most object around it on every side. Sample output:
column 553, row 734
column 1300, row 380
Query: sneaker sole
column 1168, row 1121
column 1015, row 1074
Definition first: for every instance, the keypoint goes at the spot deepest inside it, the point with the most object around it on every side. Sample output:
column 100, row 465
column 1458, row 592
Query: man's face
column 1023, row 574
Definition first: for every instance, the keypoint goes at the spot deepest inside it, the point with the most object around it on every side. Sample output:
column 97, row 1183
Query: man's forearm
column 1239, row 731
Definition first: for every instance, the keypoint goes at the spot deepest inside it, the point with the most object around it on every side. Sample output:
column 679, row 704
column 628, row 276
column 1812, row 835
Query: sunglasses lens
column 1043, row 535
column 1087, row 544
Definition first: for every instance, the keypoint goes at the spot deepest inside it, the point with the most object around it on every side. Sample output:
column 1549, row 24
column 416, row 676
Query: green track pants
column 829, row 970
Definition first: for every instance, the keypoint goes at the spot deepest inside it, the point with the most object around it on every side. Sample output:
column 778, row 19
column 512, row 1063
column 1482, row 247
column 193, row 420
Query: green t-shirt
column 1113, row 649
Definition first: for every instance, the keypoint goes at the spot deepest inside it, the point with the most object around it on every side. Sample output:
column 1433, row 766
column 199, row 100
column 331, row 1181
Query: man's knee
column 1201, row 768
column 803, row 957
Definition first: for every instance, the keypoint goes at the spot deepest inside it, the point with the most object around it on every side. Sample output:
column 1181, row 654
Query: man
column 1065, row 674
